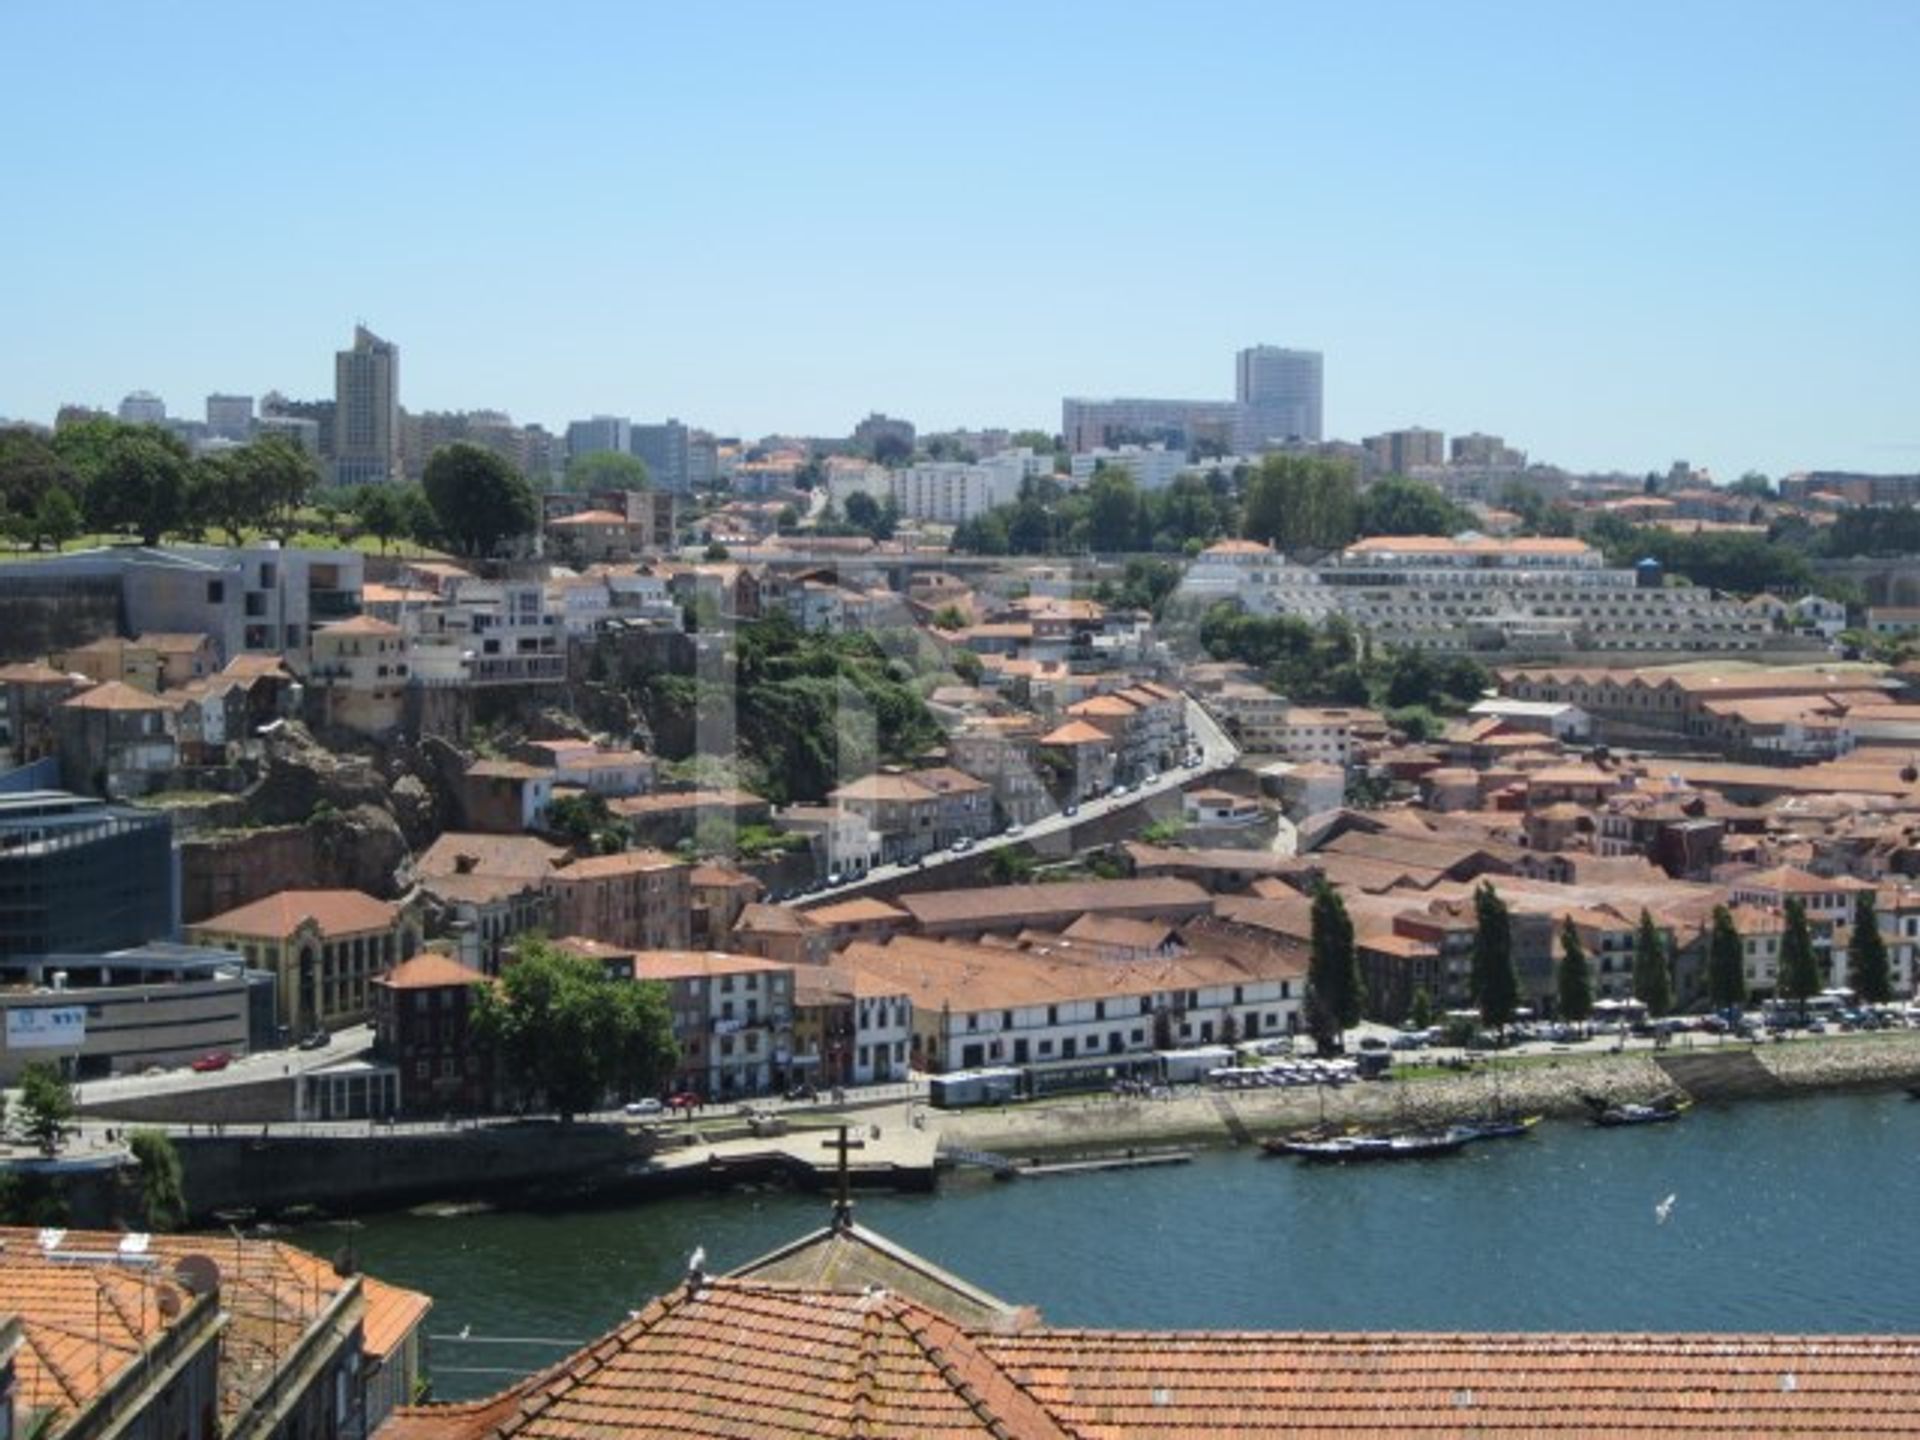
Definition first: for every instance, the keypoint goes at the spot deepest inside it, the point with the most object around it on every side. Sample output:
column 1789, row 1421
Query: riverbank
column 1542, row 1085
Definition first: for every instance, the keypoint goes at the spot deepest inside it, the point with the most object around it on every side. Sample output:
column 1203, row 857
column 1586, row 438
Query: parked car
column 213, row 1060
column 685, row 1100
column 648, row 1106
column 962, row 844
column 318, row 1040
column 1071, row 811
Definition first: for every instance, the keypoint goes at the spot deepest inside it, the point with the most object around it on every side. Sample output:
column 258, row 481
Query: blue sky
column 1618, row 234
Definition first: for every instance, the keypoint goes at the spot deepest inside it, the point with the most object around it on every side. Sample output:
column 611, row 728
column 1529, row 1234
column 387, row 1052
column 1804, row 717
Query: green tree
column 140, row 483
column 163, row 1191
column 381, row 513
column 1799, row 966
column 31, row 473
column 564, row 1032
column 1113, row 520
column 46, row 1106
column 1336, row 996
column 478, row 499
column 1396, row 505
column 1420, row 1012
column 1574, row 978
column 607, row 470
column 1494, row 981
column 949, row 617
column 1652, row 979
column 275, row 476
column 56, row 519
column 1867, row 970
column 1726, row 961
column 1301, row 502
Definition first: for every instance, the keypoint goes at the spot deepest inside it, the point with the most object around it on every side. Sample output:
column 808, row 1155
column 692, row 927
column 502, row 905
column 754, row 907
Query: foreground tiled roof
column 746, row 1358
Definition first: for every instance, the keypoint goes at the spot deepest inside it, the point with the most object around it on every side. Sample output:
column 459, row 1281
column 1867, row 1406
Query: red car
column 213, row 1060
column 685, row 1100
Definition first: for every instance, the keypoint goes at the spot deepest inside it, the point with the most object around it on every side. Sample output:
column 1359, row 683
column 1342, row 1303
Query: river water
column 1788, row 1216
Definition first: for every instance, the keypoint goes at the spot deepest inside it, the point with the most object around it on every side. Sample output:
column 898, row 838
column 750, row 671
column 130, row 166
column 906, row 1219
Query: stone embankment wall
column 1101, row 1123
column 381, row 1171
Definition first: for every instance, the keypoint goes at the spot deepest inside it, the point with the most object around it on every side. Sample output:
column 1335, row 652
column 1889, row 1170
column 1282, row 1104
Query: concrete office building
column 366, row 383
column 83, row 875
column 230, row 417
column 663, row 450
column 119, row 1012
column 143, row 407
column 1279, row 393
column 1397, row 452
column 1177, row 424
column 599, row 435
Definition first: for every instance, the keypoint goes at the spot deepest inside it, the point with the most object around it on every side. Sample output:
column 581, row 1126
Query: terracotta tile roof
column 590, row 517
column 32, row 672
column 1016, row 906
column 700, row 964
column 861, row 910
column 714, row 876
column 459, row 852
column 256, row 667
column 358, row 625
column 773, row 920
column 271, row 1293
column 883, row 787
column 675, row 801
column 739, row 1359
column 115, row 695
column 81, row 1325
column 1077, row 732
column 429, row 971
column 626, row 862
column 1110, row 705
column 336, row 912
column 1494, row 1387
column 509, row 770
column 1791, row 880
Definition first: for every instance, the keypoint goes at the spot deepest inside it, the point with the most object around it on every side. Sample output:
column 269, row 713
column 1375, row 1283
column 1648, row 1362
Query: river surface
column 1795, row 1215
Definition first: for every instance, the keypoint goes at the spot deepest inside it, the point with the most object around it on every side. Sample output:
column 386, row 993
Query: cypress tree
column 1496, row 986
column 1799, row 969
column 1867, row 969
column 1726, row 962
column 1574, row 979
column 1335, row 994
column 1652, row 980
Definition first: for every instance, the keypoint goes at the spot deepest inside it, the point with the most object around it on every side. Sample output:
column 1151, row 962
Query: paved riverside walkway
column 888, row 1143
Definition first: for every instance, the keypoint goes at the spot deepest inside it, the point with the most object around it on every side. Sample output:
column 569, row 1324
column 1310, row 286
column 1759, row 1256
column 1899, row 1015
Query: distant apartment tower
column 1279, row 393
column 871, row 433
column 663, row 450
column 1102, row 424
column 599, row 435
column 1478, row 449
column 143, row 407
column 230, row 417
column 275, row 407
column 1397, row 452
column 366, row 419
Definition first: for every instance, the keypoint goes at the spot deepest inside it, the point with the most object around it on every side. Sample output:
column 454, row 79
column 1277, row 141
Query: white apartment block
column 1438, row 594
column 1153, row 467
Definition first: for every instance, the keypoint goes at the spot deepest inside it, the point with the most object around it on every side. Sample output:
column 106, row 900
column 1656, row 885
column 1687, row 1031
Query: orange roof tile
column 429, row 971
column 336, row 912
column 115, row 695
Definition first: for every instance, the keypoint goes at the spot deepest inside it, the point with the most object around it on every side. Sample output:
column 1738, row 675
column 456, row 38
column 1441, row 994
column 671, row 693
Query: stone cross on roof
column 843, row 1199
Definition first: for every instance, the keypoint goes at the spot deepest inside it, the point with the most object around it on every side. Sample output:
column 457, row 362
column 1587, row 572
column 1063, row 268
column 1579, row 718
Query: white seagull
column 465, row 1331
column 696, row 1262
column 1663, row 1210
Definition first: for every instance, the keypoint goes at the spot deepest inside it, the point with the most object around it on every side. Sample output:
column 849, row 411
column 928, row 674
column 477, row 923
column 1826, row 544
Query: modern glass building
column 80, row 875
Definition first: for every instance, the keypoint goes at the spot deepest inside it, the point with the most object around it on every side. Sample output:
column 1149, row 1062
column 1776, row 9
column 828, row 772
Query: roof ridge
column 866, row 1375
column 919, row 1324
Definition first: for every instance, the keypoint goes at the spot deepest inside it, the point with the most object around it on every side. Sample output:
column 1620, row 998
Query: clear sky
column 1617, row 233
